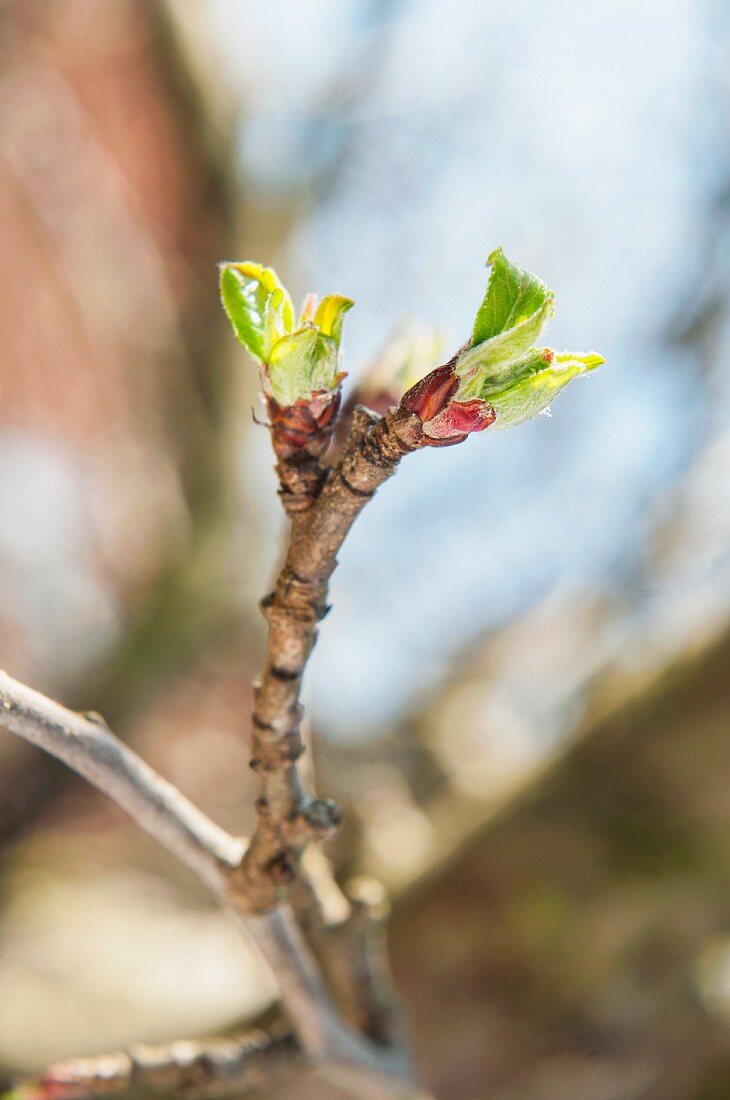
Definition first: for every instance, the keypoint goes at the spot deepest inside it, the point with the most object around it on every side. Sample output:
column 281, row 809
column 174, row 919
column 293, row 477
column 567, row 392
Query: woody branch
column 340, row 1005
column 89, row 747
column 288, row 816
column 244, row 883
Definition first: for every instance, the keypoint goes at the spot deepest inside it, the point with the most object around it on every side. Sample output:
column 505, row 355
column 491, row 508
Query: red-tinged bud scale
column 444, row 420
column 458, row 420
column 429, row 396
column 304, row 426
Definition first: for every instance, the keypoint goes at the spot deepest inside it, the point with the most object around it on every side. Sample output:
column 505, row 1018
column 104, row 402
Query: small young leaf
column 537, row 380
column 245, row 291
column 330, row 315
column 513, row 295
column 492, row 359
column 291, row 364
column 275, row 326
column 302, row 364
column 324, row 374
column 515, row 308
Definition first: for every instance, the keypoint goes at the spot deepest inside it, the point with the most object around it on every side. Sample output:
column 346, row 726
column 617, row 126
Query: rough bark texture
column 195, row 1069
column 289, row 817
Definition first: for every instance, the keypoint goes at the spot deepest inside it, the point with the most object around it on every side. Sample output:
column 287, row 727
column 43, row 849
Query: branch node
column 286, row 675
column 282, row 868
column 322, row 818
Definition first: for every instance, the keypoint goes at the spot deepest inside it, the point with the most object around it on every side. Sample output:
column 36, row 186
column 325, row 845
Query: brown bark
column 288, row 816
column 196, row 1069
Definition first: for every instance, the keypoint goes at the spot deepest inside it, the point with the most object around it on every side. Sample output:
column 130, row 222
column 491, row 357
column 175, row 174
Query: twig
column 86, row 744
column 91, row 749
column 195, row 1069
column 252, row 882
column 300, row 436
column 288, row 816
column 351, row 945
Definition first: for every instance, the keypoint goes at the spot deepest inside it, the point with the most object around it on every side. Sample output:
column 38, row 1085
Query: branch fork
column 333, row 973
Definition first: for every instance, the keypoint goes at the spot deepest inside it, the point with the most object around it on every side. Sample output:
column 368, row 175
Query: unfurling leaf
column 302, row 364
column 298, row 361
column 513, row 296
column 246, row 290
column 499, row 379
column 510, row 319
column 535, row 384
column 290, row 365
column 330, row 315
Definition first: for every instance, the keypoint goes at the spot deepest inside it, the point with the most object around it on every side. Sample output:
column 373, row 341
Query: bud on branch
column 298, row 357
column 299, row 368
column 499, row 379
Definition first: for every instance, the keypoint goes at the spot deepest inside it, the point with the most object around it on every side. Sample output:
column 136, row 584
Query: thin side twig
column 205, row 1069
column 92, row 750
column 352, row 948
column 87, row 745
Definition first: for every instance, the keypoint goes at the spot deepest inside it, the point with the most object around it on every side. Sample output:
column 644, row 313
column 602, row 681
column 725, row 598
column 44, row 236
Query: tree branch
column 351, row 946
column 88, row 746
column 197, row 1070
column 252, row 882
column 288, row 816
column 91, row 749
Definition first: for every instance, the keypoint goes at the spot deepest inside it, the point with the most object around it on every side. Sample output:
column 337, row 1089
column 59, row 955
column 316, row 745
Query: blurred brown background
column 522, row 697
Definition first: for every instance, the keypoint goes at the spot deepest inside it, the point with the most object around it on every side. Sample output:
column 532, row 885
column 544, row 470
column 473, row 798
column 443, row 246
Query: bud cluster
column 298, row 356
column 499, row 379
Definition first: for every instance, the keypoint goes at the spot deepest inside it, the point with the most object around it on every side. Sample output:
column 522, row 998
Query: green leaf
column 245, row 291
column 275, row 321
column 301, row 364
column 535, row 382
column 515, row 308
column 492, row 359
column 330, row 315
column 513, row 296
column 290, row 365
column 324, row 374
